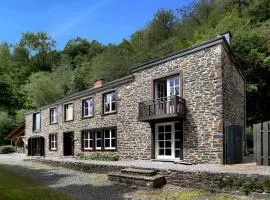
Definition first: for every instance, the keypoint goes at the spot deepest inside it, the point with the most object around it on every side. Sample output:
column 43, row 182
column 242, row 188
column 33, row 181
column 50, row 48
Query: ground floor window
column 99, row 139
column 53, row 142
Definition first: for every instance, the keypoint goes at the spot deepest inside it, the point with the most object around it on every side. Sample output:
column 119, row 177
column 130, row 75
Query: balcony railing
column 165, row 107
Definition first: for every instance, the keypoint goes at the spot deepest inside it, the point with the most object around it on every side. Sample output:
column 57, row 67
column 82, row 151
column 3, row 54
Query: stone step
column 155, row 181
column 142, row 172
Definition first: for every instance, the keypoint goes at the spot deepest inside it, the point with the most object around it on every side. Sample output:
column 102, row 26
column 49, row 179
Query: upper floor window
column 109, row 102
column 53, row 142
column 36, row 122
column 167, row 86
column 88, row 107
column 53, row 115
column 68, row 112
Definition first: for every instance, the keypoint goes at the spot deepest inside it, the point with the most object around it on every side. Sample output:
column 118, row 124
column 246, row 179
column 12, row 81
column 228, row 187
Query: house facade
column 172, row 108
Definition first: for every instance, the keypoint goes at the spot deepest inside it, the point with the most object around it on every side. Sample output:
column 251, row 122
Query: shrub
column 7, row 149
column 98, row 156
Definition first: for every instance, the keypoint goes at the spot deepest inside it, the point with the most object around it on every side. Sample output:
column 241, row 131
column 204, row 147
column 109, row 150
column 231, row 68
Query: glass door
column 165, row 140
column 173, row 88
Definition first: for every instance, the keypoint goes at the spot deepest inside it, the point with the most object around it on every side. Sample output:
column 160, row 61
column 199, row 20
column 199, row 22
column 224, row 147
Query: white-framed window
column 88, row 107
column 36, row 122
column 109, row 139
column 109, row 102
column 98, row 139
column 88, row 137
column 68, row 112
column 53, row 115
column 53, row 142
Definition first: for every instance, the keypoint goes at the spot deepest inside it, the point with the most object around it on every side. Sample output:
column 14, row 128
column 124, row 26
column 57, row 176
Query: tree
column 39, row 45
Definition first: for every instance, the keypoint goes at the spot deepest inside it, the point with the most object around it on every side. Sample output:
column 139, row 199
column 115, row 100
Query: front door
column 68, row 140
column 165, row 140
column 169, row 140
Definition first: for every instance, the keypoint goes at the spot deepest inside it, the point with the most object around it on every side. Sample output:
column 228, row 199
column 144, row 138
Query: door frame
column 172, row 140
column 72, row 143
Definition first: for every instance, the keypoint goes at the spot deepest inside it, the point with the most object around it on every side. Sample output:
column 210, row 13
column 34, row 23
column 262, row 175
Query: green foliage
column 98, row 156
column 6, row 149
column 7, row 123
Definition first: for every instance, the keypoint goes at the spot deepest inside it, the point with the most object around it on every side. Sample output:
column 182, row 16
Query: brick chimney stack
column 98, row 83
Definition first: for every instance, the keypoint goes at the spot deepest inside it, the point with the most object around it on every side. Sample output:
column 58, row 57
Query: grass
column 14, row 187
column 185, row 194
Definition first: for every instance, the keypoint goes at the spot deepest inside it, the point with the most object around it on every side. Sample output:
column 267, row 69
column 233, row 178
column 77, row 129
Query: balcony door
column 165, row 91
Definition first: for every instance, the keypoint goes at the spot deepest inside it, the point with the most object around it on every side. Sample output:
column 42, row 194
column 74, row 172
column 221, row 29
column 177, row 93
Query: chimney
column 98, row 83
column 228, row 37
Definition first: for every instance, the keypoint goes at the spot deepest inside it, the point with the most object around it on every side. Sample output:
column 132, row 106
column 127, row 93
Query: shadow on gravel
column 42, row 176
column 87, row 192
column 108, row 191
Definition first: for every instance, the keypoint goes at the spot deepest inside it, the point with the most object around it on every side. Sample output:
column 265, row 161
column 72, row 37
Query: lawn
column 14, row 187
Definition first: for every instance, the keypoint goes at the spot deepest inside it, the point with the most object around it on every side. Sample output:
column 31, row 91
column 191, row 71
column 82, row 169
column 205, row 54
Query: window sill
column 88, row 117
column 69, row 120
column 109, row 113
column 88, row 150
column 36, row 131
column 53, row 150
column 54, row 123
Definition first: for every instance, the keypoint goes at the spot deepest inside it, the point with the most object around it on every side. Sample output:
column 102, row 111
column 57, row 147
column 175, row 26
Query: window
column 52, row 142
column 53, row 115
column 68, row 115
column 88, row 107
column 36, row 122
column 109, row 102
column 99, row 139
column 88, row 138
column 109, row 139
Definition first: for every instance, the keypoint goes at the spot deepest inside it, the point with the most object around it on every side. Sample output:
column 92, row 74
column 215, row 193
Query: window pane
column 177, row 144
column 98, row 143
column 168, row 144
column 161, row 144
column 113, row 135
column 160, row 136
column 113, row 106
column 161, row 129
column 107, row 133
column 107, row 142
column 168, row 152
column 177, row 153
column 168, row 136
column 161, row 152
column 107, row 107
column 113, row 142
column 86, row 135
column 113, row 96
column 69, row 112
column 86, row 144
column 168, row 128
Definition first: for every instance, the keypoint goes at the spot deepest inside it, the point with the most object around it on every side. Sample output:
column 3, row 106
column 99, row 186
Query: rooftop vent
column 98, row 83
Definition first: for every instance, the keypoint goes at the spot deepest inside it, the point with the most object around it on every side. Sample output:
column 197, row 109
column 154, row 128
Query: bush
column 7, row 149
column 98, row 156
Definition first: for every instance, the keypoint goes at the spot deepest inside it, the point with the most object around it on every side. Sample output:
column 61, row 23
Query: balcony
column 172, row 107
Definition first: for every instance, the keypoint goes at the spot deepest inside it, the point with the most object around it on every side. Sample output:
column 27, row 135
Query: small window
column 53, row 115
column 98, row 137
column 88, row 107
column 68, row 115
column 109, row 102
column 36, row 122
column 53, row 142
column 88, row 138
column 110, row 139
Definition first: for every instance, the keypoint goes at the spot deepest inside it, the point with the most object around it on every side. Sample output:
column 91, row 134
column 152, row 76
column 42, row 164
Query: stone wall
column 201, row 78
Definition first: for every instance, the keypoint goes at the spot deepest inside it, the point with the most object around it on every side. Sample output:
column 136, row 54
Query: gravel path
column 76, row 184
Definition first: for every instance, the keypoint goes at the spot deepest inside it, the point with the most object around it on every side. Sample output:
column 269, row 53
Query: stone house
column 174, row 108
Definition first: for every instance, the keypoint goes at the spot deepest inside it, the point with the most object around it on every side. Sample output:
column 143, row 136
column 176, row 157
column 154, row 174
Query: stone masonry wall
column 201, row 79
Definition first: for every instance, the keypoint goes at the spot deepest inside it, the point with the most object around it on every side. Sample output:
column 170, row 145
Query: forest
column 34, row 73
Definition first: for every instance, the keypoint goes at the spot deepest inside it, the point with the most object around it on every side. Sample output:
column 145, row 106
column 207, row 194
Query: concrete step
column 135, row 171
column 155, row 181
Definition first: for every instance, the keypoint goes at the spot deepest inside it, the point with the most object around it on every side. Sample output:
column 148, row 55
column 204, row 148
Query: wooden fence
column 261, row 142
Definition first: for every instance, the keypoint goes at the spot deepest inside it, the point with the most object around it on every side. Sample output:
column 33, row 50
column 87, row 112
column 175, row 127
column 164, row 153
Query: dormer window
column 68, row 112
column 36, row 122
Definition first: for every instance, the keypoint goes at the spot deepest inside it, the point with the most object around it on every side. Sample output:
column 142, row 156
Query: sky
column 107, row 21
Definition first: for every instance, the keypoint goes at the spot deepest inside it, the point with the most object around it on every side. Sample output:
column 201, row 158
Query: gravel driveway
column 76, row 184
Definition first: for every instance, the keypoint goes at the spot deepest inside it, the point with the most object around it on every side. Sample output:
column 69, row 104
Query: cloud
column 76, row 20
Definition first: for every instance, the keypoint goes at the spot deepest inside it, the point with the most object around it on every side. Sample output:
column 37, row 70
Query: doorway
column 169, row 140
column 68, row 143
column 36, row 146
